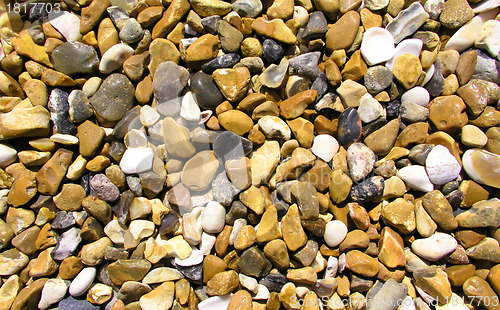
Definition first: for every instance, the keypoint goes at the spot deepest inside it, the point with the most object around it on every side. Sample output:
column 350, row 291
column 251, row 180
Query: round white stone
column 377, row 46
column 214, row 217
column 416, row 177
column 409, row 46
column 190, row 111
column 335, row 233
column 53, row 291
column 434, row 247
column 68, row 24
column 417, row 95
column 195, row 258
column 114, row 57
column 137, row 160
column 82, row 282
column 8, row 155
column 442, row 167
column 325, row 147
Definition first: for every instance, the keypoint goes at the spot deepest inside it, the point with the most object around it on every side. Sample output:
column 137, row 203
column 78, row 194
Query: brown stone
column 268, row 227
column 245, row 238
column 293, row 233
column 466, row 65
column 355, row 68
column 29, row 296
column 50, row 176
column 92, row 14
column 342, row 33
column 274, row 29
column 236, row 121
column 457, row 274
column 21, row 192
column 161, row 50
column 212, row 265
column 303, row 130
column 434, row 281
column 295, row 106
column 413, row 133
column 318, row 175
column 43, row 265
column 223, row 283
column 477, row 288
column 276, row 251
column 175, row 11
column 438, row 207
column 400, row 214
column 107, row 35
column 447, row 113
column 361, row 263
column 356, row 239
column 70, row 198
column 382, row 140
column 233, row 83
column 241, row 300
column 391, row 248
column 203, row 49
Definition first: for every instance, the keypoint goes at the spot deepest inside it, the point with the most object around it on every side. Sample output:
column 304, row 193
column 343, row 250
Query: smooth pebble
column 335, row 233
column 325, row 147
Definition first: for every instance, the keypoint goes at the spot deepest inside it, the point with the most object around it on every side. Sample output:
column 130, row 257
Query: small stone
column 213, row 218
column 274, row 29
column 236, row 121
column 400, row 214
column 360, row 160
column 272, row 51
column 82, row 282
column 66, row 23
column 416, row 177
column 206, row 92
column 113, row 99
column 29, row 296
column 253, row 263
column 202, row 49
column 15, row 124
column 455, row 14
column 407, row 22
column 378, row 78
column 293, row 233
column 377, row 46
column 362, row 263
column 480, row 289
column 223, row 283
column 481, row 166
column 274, row 127
column 104, row 188
column 53, row 291
column 114, row 57
column 347, row 25
column 349, row 128
column 434, row 281
column 233, row 83
column 128, row 270
column 12, row 261
column 434, row 247
column 487, row 250
column 306, row 65
column 264, row 161
column 131, row 32
column 79, row 106
column 368, row 190
column 162, row 296
column 73, row 58
column 335, row 233
column 71, row 303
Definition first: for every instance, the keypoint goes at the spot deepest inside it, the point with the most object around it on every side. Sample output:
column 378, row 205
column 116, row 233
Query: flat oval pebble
column 417, row 95
column 441, row 166
column 214, row 217
column 434, row 247
column 377, row 46
column 335, row 233
column 82, row 282
column 416, row 177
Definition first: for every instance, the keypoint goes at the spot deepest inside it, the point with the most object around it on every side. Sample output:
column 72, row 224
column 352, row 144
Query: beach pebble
column 434, row 247
column 408, row 46
column 137, row 160
column 325, row 147
column 114, row 57
column 82, row 282
column 194, row 259
column 214, row 217
column 360, row 160
column 53, row 291
column 274, row 127
column 442, row 167
column 190, row 110
column 215, row 302
column 68, row 24
column 8, row 155
column 66, row 244
column 369, row 109
column 335, row 233
column 488, row 39
column 377, row 46
column 482, row 166
column 407, row 21
column 416, row 177
column 417, row 95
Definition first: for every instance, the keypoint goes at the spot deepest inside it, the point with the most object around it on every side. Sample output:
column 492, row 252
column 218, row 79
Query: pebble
column 378, row 78
column 360, row 160
column 441, row 166
column 137, row 160
column 482, row 166
column 71, row 303
column 8, row 155
column 417, row 95
column 215, row 302
column 53, row 291
column 434, row 247
column 416, row 177
column 205, row 91
column 335, row 233
column 369, row 109
column 66, row 23
column 349, row 127
column 274, row 127
column 82, row 282
column 407, row 22
column 213, row 218
column 274, row 75
column 325, row 147
column 306, row 65
column 377, row 46
column 113, row 99
column 455, row 14
column 67, row 244
column 114, row 58
column 63, row 58
column 272, row 51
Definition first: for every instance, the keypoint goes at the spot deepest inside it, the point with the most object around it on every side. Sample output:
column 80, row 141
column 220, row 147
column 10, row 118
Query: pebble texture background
column 202, row 154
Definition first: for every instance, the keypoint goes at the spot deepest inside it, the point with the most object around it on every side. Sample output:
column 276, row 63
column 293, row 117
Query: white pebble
column 488, row 38
column 274, row 127
column 82, row 282
column 114, row 57
column 416, row 177
column 262, row 293
column 249, row 283
column 442, row 167
column 237, row 226
column 335, row 233
column 8, row 155
column 485, row 5
column 195, row 258
column 325, row 147
column 68, row 24
column 332, row 267
column 409, row 46
column 369, row 109
column 207, row 243
column 417, row 95
column 377, row 46
column 301, row 15
column 64, row 139
column 91, row 86
column 407, row 304
column 467, row 34
column 148, row 116
column 137, row 160
column 53, row 291
column 434, row 247
column 360, row 160
column 214, row 217
column 190, row 110
column 215, row 303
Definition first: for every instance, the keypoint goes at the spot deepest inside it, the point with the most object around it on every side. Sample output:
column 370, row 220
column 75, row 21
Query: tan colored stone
column 413, row 133
column 438, row 207
column 43, row 265
column 400, row 214
column 203, row 49
column 457, row 274
column 175, row 11
column 434, row 281
column 340, row 186
column 29, row 296
column 233, row 83
column 245, row 238
column 342, row 33
column 25, row 46
column 236, row 121
column 391, row 248
column 21, row 192
column 447, row 113
column 355, row 68
column 162, row 50
column 407, row 70
column 361, row 263
column 305, row 275
column 50, row 176
column 293, row 233
column 274, row 29
column 177, row 139
column 303, row 130
column 212, row 265
column 223, row 283
column 241, row 300
column 268, row 227
column 276, row 251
